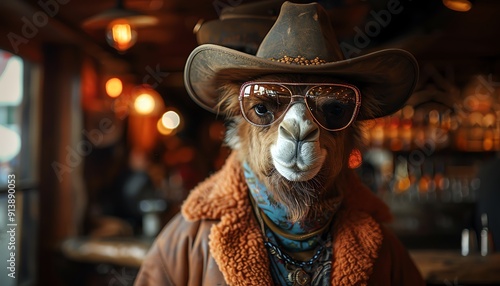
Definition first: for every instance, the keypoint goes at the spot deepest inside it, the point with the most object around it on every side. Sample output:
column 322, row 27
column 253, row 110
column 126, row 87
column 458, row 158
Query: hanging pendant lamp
column 120, row 24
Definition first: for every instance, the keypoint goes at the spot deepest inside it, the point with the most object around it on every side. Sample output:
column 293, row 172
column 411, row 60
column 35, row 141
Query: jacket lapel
column 236, row 242
column 358, row 238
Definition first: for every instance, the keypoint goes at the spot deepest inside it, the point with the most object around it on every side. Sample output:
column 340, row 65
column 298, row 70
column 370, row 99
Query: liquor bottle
column 426, row 184
column 441, row 182
column 486, row 238
column 401, row 181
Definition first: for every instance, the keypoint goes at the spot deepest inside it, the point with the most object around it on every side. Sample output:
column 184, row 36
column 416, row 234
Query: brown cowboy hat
column 303, row 37
column 242, row 27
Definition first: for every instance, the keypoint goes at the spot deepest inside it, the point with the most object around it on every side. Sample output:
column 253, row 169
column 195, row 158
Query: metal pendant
column 299, row 277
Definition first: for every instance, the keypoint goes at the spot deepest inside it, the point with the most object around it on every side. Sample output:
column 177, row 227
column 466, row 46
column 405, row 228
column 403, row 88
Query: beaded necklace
column 299, row 273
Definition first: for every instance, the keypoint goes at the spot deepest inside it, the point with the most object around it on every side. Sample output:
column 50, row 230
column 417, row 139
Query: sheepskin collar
column 237, row 244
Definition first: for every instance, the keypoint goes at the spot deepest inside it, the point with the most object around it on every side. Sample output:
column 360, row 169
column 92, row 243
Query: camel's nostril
column 287, row 132
column 312, row 135
column 298, row 125
column 294, row 131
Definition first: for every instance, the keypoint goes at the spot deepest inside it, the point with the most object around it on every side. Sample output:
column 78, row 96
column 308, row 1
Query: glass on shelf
column 432, row 180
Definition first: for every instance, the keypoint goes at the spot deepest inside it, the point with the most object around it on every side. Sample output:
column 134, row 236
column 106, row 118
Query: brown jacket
column 216, row 240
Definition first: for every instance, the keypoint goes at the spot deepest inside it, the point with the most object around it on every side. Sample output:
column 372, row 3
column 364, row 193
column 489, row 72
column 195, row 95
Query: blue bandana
column 277, row 213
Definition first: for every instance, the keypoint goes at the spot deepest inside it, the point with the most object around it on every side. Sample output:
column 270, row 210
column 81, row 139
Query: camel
column 286, row 208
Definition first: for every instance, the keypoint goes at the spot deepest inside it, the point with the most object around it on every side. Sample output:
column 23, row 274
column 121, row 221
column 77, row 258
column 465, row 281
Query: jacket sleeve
column 394, row 265
column 179, row 255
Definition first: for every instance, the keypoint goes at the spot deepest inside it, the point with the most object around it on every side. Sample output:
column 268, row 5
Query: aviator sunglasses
column 334, row 106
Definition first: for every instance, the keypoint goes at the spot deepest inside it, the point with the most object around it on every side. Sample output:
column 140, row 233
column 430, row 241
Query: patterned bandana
column 282, row 272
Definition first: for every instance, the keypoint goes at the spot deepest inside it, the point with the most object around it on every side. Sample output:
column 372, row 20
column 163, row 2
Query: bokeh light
column 10, row 145
column 114, row 87
column 144, row 104
column 458, row 5
column 171, row 120
column 163, row 130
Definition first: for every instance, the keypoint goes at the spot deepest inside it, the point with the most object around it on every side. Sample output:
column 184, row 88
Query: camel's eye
column 334, row 111
column 263, row 103
column 260, row 109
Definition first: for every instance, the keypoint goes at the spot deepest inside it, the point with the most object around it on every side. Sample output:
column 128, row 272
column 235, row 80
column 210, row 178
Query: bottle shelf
column 434, row 130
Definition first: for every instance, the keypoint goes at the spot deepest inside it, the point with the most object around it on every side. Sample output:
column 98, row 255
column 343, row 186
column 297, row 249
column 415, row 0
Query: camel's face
column 289, row 151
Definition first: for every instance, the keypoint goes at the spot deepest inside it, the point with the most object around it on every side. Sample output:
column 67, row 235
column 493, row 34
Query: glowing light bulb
column 120, row 35
column 144, row 104
column 114, row 87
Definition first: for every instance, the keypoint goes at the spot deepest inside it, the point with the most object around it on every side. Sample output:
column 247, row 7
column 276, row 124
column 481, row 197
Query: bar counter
column 449, row 267
column 438, row 267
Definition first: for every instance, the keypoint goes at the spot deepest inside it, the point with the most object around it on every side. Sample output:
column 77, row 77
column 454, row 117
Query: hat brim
column 389, row 75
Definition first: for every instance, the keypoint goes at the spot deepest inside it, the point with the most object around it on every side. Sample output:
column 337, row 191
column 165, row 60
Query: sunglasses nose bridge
column 297, row 98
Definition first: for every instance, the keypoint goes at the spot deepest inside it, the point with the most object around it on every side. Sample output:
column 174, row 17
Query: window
column 11, row 95
column 19, row 86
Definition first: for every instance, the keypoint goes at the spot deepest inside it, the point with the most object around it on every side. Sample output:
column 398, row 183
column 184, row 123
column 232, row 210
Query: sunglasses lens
column 333, row 106
column 264, row 103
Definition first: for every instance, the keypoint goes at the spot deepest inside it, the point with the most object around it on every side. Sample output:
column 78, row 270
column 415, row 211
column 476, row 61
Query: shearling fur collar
column 237, row 244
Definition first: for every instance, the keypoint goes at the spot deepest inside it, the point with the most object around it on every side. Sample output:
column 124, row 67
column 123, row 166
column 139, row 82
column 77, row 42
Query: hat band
column 299, row 60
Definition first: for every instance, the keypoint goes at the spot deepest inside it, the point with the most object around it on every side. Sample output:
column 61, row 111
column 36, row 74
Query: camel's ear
column 231, row 138
column 229, row 106
column 228, row 103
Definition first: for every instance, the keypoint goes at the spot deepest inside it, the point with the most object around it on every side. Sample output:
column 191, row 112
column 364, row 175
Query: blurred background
column 104, row 143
